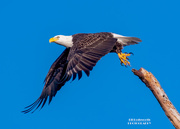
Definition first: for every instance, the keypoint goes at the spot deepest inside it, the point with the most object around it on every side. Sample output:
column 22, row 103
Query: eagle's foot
column 124, row 58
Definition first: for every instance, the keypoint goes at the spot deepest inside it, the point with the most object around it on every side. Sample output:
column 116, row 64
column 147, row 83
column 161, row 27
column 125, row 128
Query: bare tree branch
column 152, row 83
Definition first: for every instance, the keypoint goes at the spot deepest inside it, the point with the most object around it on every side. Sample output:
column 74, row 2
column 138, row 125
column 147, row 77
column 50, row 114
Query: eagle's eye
column 58, row 37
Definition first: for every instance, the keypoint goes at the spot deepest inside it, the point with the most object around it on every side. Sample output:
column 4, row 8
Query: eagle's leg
column 124, row 58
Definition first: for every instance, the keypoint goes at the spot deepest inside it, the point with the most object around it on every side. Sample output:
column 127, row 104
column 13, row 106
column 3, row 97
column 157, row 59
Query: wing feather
column 86, row 57
column 54, row 80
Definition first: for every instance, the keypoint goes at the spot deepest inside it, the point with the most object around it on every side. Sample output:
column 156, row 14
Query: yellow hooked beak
column 53, row 40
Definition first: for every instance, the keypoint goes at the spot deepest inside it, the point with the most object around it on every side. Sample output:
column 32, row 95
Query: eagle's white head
column 62, row 40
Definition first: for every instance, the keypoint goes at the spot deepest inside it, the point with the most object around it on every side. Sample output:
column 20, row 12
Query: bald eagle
column 82, row 52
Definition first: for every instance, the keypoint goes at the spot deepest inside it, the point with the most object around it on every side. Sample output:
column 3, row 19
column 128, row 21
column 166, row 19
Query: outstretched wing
column 85, row 53
column 53, row 82
column 82, row 56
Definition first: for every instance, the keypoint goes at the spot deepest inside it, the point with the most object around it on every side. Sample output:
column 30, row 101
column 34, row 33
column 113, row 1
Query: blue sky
column 112, row 94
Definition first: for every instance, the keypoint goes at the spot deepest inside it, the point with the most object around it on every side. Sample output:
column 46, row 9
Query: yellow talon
column 124, row 59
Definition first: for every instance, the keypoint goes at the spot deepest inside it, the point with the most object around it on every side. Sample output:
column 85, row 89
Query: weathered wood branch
column 152, row 83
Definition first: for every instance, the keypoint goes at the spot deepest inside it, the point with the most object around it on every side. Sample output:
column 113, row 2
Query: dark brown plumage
column 86, row 51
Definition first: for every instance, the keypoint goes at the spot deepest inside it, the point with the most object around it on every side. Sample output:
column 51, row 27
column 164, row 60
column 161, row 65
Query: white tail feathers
column 125, row 41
